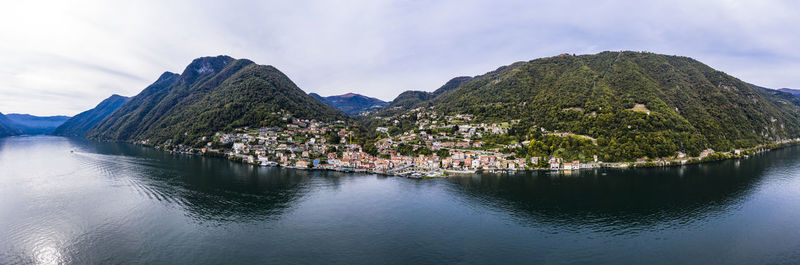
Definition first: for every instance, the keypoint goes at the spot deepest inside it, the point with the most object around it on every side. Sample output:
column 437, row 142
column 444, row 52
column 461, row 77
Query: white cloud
column 59, row 57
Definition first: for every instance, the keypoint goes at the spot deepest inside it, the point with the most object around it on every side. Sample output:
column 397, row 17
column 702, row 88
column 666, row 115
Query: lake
column 111, row 203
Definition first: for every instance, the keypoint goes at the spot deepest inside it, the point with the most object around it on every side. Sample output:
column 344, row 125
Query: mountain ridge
column 635, row 104
column 211, row 94
column 7, row 128
column 31, row 124
column 352, row 104
column 795, row 92
column 79, row 124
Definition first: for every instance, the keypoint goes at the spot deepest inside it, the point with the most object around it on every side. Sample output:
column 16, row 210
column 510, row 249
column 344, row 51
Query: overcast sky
column 64, row 57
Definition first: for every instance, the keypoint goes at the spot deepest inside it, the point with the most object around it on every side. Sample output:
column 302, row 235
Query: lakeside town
column 437, row 147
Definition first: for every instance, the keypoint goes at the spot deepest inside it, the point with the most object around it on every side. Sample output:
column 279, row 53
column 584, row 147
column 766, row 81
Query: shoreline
column 714, row 157
column 718, row 156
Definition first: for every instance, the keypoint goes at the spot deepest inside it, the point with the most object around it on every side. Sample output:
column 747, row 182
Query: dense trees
column 213, row 94
column 634, row 104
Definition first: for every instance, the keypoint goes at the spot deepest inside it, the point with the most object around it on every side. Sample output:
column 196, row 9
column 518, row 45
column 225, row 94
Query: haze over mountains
column 795, row 92
column 30, row 124
column 16, row 124
column 352, row 104
column 7, row 128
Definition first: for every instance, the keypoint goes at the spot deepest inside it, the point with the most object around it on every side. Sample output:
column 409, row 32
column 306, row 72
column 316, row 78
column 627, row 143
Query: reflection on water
column 619, row 199
column 74, row 201
column 210, row 189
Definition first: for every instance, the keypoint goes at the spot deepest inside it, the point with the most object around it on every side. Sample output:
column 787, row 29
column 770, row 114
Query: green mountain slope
column 81, row 123
column 634, row 104
column 412, row 98
column 212, row 94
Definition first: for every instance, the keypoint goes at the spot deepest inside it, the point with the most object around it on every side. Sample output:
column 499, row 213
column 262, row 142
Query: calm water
column 120, row 204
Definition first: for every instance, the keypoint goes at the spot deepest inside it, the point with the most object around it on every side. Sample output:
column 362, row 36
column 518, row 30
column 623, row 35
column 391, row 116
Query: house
column 301, row 164
column 238, row 146
column 446, row 163
column 706, row 152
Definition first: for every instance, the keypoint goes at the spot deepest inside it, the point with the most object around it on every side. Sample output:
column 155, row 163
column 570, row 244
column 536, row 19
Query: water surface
column 113, row 203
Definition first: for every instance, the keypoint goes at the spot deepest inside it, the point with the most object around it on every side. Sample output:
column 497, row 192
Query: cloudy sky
column 63, row 57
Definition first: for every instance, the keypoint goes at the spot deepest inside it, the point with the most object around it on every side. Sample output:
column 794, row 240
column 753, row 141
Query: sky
column 64, row 57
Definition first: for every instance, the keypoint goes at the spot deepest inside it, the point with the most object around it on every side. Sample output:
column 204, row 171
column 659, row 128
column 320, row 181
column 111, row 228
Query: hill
column 631, row 104
column 81, row 123
column 7, row 128
column 352, row 104
column 30, row 124
column 212, row 94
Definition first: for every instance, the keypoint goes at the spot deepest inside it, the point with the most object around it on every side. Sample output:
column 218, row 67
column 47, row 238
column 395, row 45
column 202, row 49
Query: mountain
column 412, row 98
column 81, row 123
column 7, row 128
column 795, row 92
column 451, row 84
column 212, row 94
column 352, row 104
column 631, row 105
column 29, row 124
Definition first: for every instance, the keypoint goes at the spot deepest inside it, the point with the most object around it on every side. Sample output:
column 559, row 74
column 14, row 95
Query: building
column 301, row 164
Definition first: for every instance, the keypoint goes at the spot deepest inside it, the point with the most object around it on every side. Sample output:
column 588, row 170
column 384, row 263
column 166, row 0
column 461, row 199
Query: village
column 311, row 144
column 437, row 146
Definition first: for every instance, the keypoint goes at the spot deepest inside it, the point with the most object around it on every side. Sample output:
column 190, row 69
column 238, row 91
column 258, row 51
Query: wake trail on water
column 135, row 172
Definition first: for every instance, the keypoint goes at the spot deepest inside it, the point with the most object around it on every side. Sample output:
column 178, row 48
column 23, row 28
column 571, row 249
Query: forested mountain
column 352, row 104
column 212, row 94
column 632, row 104
column 30, row 124
column 81, row 123
column 7, row 128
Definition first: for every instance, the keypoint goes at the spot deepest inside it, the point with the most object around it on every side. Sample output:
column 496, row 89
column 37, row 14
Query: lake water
column 108, row 203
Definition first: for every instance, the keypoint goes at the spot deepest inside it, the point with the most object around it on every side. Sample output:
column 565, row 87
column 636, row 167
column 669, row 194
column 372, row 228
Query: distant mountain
column 412, row 98
column 795, row 92
column 632, row 104
column 81, row 123
column 7, row 128
column 352, row 104
column 30, row 124
column 212, row 94
column 778, row 95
